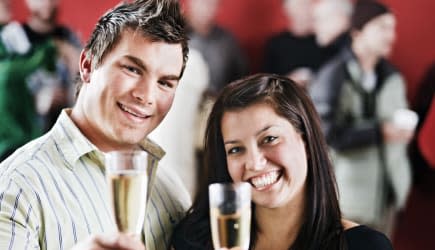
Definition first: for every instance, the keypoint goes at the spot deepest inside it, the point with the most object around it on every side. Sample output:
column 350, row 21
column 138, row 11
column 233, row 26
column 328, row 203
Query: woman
column 264, row 130
column 358, row 95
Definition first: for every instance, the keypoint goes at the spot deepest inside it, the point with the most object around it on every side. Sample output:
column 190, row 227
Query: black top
column 357, row 238
column 286, row 52
column 59, row 32
column 365, row 238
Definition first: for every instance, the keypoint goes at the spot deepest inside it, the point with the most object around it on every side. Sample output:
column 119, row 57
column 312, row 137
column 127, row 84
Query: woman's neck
column 278, row 228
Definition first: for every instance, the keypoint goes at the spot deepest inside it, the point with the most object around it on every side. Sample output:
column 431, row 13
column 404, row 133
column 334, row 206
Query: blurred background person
column 217, row 45
column 422, row 148
column 53, row 91
column 294, row 52
column 220, row 50
column 409, row 233
column 18, row 60
column 5, row 12
column 177, row 132
column 357, row 95
column 331, row 25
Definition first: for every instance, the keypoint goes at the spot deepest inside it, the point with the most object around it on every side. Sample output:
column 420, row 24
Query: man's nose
column 145, row 92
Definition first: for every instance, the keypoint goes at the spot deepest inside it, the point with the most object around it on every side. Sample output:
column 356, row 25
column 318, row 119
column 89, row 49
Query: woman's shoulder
column 361, row 237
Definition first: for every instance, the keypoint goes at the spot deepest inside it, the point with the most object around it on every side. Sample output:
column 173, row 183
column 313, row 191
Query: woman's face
column 379, row 35
column 265, row 150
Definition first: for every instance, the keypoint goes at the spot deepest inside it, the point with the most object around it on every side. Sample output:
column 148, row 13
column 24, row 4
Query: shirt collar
column 74, row 145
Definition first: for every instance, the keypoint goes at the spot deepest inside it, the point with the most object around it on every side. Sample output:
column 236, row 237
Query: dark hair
column 366, row 10
column 322, row 227
column 159, row 20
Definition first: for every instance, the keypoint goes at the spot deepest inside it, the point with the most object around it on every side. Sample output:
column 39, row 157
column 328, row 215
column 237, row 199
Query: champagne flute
column 127, row 180
column 230, row 215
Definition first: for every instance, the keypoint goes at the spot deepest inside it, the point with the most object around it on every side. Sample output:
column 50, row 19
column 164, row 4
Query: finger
column 130, row 242
column 108, row 241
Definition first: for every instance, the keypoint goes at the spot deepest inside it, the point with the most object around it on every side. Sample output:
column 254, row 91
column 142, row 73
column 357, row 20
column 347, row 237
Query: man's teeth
column 265, row 180
column 131, row 111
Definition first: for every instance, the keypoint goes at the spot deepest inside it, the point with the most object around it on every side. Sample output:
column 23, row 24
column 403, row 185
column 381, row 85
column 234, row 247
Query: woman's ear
column 85, row 67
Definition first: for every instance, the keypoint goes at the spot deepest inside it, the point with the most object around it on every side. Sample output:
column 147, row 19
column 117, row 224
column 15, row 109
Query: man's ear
column 85, row 67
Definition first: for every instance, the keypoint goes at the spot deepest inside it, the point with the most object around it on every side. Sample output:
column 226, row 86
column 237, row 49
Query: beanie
column 366, row 10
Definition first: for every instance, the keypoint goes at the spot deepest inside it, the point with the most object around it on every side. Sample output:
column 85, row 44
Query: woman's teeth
column 265, row 180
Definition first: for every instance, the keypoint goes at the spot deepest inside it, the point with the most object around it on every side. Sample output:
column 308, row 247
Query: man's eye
column 269, row 139
column 166, row 84
column 132, row 69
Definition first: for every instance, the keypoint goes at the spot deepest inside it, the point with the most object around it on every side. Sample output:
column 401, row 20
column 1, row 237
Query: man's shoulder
column 23, row 159
column 168, row 186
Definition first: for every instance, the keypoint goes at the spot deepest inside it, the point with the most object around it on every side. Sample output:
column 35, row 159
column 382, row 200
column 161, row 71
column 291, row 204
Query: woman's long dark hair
column 322, row 227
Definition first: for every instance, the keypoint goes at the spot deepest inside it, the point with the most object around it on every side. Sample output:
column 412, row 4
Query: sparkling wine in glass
column 127, row 180
column 230, row 215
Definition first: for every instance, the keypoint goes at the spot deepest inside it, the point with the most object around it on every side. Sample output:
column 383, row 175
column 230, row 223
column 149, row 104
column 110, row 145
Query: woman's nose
column 255, row 159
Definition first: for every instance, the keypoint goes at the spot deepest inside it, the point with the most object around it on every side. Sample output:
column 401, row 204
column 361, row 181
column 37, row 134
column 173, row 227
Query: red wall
column 413, row 52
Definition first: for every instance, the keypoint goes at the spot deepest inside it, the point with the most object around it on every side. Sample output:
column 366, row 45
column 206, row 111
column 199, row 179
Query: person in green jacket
column 22, row 67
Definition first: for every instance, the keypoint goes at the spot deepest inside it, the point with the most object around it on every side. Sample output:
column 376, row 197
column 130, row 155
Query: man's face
column 203, row 12
column 329, row 22
column 124, row 98
column 299, row 13
column 5, row 11
column 43, row 9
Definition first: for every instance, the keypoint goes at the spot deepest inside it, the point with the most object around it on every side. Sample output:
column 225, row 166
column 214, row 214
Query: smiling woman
column 265, row 150
column 264, row 130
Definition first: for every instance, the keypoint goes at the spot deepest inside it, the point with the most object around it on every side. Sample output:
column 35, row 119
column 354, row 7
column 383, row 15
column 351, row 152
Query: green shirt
column 18, row 117
column 53, row 193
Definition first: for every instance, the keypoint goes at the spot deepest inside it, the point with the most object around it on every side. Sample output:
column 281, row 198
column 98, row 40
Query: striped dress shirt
column 53, row 193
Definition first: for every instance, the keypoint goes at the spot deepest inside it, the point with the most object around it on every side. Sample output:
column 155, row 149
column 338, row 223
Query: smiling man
column 53, row 193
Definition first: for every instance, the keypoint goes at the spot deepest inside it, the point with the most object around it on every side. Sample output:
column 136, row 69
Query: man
column 294, row 52
column 18, row 61
column 331, row 22
column 37, row 61
column 5, row 12
column 53, row 193
column 217, row 45
column 222, row 54
column 53, row 91
column 357, row 95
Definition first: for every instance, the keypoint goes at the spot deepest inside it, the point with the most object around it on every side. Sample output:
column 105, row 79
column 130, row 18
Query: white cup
column 405, row 119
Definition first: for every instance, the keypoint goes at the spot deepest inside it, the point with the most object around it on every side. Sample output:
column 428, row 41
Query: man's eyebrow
column 172, row 77
column 141, row 65
column 136, row 61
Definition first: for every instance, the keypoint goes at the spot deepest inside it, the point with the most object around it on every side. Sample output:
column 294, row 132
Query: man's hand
column 117, row 241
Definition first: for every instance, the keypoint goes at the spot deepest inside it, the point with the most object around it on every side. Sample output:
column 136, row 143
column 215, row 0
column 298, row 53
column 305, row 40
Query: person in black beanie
column 358, row 95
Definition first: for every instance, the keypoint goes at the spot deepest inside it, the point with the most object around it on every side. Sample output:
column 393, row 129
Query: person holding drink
column 53, row 191
column 264, row 130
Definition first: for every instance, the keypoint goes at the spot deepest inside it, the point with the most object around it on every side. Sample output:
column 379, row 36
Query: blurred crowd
column 336, row 49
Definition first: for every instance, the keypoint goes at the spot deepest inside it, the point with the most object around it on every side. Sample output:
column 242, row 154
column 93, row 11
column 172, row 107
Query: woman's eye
column 233, row 150
column 269, row 139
